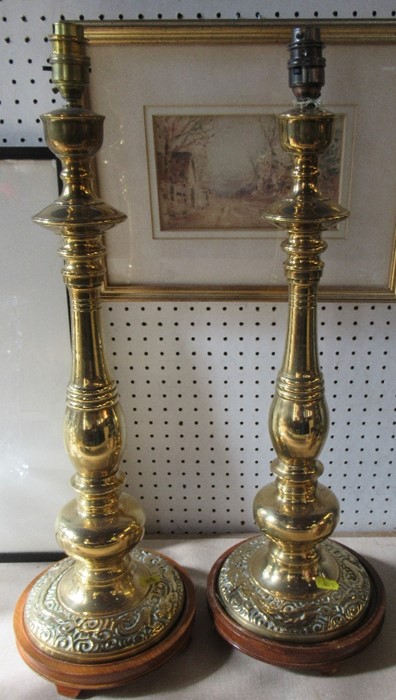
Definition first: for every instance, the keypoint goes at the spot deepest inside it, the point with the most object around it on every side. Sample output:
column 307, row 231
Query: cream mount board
column 197, row 440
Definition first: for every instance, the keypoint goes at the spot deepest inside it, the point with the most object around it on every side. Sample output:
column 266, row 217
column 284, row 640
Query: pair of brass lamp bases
column 112, row 611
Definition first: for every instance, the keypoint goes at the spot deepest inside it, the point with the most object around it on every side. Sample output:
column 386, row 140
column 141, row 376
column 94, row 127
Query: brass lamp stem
column 104, row 602
column 292, row 583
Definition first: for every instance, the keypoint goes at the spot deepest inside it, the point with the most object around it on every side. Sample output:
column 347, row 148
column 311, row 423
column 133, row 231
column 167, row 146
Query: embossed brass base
column 76, row 673
column 338, row 597
column 145, row 612
column 318, row 656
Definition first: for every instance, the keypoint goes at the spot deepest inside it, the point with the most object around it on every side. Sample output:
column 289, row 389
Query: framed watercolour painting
column 214, row 172
column 191, row 154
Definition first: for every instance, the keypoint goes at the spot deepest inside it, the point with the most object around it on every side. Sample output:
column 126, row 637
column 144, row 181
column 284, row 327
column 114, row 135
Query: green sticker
column 327, row 584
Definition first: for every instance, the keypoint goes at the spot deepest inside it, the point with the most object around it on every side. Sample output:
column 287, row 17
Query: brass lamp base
column 324, row 656
column 112, row 610
column 147, row 635
column 292, row 596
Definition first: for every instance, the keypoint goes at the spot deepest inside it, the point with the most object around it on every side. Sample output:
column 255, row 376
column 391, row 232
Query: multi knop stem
column 292, row 583
column 109, row 600
column 99, row 527
column 296, row 513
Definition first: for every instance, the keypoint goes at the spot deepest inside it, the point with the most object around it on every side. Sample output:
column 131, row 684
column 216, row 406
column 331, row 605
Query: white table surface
column 210, row 669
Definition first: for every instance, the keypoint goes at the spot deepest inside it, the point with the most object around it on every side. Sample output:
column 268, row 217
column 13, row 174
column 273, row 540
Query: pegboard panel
column 196, row 379
column 25, row 90
column 196, row 382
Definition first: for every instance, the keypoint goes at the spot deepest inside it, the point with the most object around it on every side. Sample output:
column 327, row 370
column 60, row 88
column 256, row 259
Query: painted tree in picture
column 181, row 153
column 220, row 172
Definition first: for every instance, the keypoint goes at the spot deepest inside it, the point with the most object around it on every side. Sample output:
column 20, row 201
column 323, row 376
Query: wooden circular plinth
column 71, row 678
column 324, row 657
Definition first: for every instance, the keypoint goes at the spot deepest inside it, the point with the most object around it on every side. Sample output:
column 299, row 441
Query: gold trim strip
column 233, row 31
column 142, row 292
column 392, row 269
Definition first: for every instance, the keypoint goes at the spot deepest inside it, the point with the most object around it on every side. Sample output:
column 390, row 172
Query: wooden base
column 72, row 678
column 324, row 657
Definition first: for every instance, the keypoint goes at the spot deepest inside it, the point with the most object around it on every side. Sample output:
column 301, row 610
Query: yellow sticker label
column 327, row 584
column 148, row 580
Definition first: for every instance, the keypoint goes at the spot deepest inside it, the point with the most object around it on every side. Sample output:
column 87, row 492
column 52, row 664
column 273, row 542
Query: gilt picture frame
column 190, row 111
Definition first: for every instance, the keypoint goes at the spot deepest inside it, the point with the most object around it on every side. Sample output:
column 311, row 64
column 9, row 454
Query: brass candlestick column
column 104, row 615
column 291, row 596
